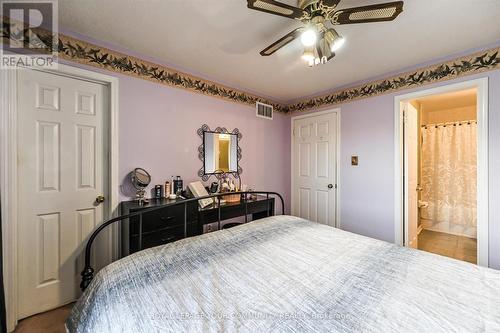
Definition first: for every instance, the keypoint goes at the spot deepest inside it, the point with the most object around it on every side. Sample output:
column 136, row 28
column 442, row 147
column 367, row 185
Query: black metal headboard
column 88, row 271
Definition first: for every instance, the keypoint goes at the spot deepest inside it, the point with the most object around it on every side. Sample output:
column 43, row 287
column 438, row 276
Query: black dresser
column 167, row 225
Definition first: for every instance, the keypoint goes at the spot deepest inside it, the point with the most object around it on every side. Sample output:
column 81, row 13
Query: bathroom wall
column 448, row 115
column 450, row 107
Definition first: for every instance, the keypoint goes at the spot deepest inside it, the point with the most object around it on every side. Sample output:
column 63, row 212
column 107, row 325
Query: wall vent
column 264, row 110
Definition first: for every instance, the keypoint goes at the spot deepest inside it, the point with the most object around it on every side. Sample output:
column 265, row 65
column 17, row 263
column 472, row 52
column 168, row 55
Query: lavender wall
column 158, row 132
column 367, row 191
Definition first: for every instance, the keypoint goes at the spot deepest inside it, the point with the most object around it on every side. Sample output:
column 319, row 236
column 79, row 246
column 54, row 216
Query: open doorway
column 447, row 172
column 444, row 164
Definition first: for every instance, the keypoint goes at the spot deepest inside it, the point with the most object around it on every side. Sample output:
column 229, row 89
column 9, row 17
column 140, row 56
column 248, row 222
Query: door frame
column 401, row 217
column 8, row 165
column 337, row 160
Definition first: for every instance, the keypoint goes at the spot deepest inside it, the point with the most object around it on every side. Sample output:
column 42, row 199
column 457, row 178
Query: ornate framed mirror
column 219, row 152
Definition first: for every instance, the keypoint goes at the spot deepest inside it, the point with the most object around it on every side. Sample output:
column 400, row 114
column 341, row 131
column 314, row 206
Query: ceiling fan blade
column 276, row 8
column 281, row 42
column 331, row 3
column 373, row 13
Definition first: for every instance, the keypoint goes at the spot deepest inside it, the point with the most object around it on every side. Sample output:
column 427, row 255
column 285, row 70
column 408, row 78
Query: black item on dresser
column 165, row 225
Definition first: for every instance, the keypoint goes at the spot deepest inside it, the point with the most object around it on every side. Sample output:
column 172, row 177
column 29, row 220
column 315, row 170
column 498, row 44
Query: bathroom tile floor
column 453, row 246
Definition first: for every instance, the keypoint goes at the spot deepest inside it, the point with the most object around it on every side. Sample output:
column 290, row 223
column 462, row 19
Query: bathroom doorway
column 443, row 170
column 447, row 174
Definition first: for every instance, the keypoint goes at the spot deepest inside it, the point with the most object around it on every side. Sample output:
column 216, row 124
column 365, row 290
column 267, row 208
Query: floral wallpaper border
column 79, row 51
column 467, row 65
column 75, row 50
column 93, row 55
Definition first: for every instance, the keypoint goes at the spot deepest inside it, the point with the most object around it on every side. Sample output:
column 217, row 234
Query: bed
column 287, row 274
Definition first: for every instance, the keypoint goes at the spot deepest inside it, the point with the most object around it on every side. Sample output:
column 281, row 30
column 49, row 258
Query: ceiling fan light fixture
column 314, row 62
column 318, row 18
column 308, row 54
column 334, row 40
column 337, row 44
column 308, row 37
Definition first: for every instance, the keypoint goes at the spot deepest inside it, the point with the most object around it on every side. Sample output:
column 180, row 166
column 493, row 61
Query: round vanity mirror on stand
column 140, row 180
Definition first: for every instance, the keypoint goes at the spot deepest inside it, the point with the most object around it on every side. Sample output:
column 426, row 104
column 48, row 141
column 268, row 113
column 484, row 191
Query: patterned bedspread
column 286, row 274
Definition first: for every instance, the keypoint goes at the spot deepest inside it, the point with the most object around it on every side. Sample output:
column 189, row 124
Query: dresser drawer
column 258, row 209
column 161, row 218
column 161, row 236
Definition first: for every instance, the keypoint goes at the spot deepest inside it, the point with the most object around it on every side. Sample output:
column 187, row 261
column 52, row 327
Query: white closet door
column 61, row 172
column 314, row 168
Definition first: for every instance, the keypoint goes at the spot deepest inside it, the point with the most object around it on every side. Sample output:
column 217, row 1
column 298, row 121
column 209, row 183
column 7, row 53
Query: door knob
column 330, row 185
column 100, row 199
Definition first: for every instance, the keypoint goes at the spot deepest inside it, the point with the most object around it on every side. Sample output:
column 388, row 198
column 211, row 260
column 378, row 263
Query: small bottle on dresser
column 168, row 190
column 158, row 190
column 178, row 185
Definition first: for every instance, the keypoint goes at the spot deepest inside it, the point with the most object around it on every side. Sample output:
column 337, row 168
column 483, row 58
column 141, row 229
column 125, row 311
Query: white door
column 60, row 174
column 314, row 168
column 411, row 145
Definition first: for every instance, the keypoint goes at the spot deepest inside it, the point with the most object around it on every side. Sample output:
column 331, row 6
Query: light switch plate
column 354, row 160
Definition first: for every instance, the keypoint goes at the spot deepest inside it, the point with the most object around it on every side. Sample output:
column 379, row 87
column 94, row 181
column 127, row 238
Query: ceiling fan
column 319, row 17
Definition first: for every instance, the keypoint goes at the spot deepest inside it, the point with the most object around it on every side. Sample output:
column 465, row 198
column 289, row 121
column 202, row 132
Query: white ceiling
column 220, row 40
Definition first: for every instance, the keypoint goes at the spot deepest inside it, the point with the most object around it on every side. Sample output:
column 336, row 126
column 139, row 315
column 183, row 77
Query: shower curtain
column 448, row 178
